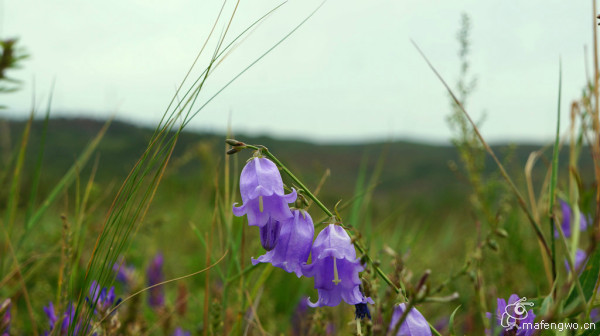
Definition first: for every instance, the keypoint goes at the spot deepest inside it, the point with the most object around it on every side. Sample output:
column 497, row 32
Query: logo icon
column 515, row 312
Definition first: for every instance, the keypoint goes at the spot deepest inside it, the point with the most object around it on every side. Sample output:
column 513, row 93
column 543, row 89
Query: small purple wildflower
column 300, row 322
column 595, row 315
column 567, row 216
column 335, row 269
column 507, row 314
column 330, row 329
column 67, row 319
column 580, row 257
column 51, row 315
column 102, row 298
column 293, row 244
column 5, row 317
column 155, row 276
column 180, row 332
column 124, row 272
column 262, row 193
column 414, row 324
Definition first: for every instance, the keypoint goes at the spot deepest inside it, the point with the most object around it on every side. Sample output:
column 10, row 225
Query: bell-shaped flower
column 262, row 192
column 414, row 324
column 291, row 247
column 335, row 269
column 510, row 318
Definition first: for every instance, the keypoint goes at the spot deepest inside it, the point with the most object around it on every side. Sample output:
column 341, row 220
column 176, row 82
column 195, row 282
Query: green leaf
column 588, row 279
column 451, row 323
column 593, row 331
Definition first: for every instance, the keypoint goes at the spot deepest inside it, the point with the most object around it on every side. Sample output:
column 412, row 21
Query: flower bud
column 234, row 142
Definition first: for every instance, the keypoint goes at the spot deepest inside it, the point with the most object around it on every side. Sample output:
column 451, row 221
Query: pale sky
column 350, row 73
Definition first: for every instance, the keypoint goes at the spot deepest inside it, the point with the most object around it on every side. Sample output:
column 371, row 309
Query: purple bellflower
column 5, row 317
column 414, row 324
column 262, row 192
column 335, row 268
column 155, row 276
column 292, row 246
column 567, row 217
column 509, row 314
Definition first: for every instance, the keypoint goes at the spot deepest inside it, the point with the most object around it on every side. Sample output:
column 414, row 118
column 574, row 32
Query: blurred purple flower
column 330, row 329
column 580, row 257
column 300, row 324
column 5, row 317
column 180, row 332
column 508, row 314
column 595, row 315
column 567, row 216
column 155, row 276
column 102, row 298
column 335, row 268
column 67, row 319
column 262, row 193
column 414, row 324
column 293, row 244
column 124, row 272
column 51, row 315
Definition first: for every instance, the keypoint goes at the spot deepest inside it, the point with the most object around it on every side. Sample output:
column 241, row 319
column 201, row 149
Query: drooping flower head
column 5, row 317
column 414, row 324
column 509, row 319
column 292, row 246
column 262, row 192
column 567, row 218
column 335, row 269
column 155, row 276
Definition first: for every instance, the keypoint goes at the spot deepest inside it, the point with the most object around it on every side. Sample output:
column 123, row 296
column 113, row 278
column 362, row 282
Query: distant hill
column 414, row 175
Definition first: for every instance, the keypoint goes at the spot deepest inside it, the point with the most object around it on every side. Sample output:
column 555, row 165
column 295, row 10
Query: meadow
column 113, row 229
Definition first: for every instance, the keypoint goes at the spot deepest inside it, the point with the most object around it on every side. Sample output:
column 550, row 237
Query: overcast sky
column 350, row 73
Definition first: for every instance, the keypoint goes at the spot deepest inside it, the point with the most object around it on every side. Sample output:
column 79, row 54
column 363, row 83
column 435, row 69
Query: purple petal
column 414, row 324
column 293, row 244
column 269, row 234
column 260, row 177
